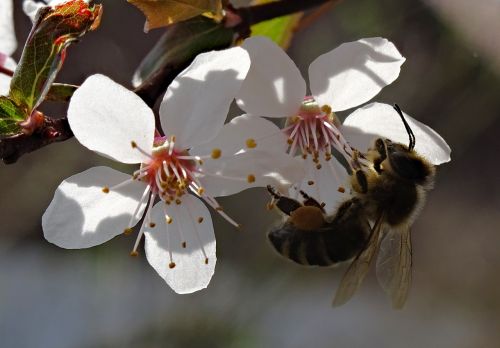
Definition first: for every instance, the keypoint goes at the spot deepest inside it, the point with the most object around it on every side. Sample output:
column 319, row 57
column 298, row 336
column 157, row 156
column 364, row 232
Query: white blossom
column 341, row 79
column 196, row 159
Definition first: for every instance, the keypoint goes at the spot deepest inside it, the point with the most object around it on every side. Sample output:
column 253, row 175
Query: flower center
column 315, row 130
column 169, row 172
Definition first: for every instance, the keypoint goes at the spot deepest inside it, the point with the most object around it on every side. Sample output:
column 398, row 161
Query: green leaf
column 10, row 117
column 53, row 31
column 180, row 44
column 60, row 92
column 280, row 29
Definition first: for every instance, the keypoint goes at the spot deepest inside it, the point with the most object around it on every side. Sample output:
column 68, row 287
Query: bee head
column 402, row 160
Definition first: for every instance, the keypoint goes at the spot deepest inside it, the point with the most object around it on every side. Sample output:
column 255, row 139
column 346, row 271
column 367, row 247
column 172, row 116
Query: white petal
column 8, row 42
column 10, row 64
column 274, row 86
column 354, row 72
column 190, row 273
column 197, row 102
column 81, row 215
column 106, row 118
column 323, row 184
column 230, row 175
column 381, row 120
column 31, row 7
column 234, row 136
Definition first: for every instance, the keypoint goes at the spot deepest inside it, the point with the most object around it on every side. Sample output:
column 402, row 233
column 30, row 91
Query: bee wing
column 394, row 265
column 358, row 269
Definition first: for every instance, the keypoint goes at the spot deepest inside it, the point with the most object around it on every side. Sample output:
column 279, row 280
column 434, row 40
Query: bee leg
column 285, row 204
column 309, row 201
column 362, row 181
column 380, row 148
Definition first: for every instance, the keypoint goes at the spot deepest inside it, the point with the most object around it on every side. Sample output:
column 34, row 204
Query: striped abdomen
column 323, row 247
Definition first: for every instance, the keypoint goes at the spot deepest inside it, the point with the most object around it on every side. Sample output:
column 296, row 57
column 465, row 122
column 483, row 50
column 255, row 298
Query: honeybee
column 387, row 196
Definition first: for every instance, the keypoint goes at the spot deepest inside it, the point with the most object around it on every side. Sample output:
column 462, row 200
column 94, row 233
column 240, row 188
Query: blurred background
column 101, row 297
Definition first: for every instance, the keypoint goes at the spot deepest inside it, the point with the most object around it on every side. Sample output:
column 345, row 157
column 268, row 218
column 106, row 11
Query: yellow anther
column 200, row 219
column 200, row 162
column 128, row 231
column 152, row 225
column 184, row 245
column 171, row 265
column 251, row 178
column 133, row 144
column 318, row 166
column 201, row 191
column 169, row 220
column 269, row 206
column 219, row 208
column 310, row 183
column 105, row 189
column 341, row 189
column 289, row 141
column 216, row 153
column 178, row 201
column 206, row 260
column 134, row 254
column 304, row 155
column 327, row 109
column 251, row 143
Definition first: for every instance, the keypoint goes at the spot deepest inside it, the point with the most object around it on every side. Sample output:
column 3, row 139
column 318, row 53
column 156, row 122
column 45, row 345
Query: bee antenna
column 411, row 146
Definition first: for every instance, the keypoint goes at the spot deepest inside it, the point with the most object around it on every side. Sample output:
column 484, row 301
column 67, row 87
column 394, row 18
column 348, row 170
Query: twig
column 259, row 13
column 50, row 132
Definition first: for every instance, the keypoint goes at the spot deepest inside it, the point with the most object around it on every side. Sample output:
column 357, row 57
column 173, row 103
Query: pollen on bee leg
column 216, row 153
column 251, row 143
column 250, row 178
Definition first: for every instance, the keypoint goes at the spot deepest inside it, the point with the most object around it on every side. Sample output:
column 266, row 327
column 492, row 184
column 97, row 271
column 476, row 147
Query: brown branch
column 50, row 132
column 259, row 13
column 5, row 71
